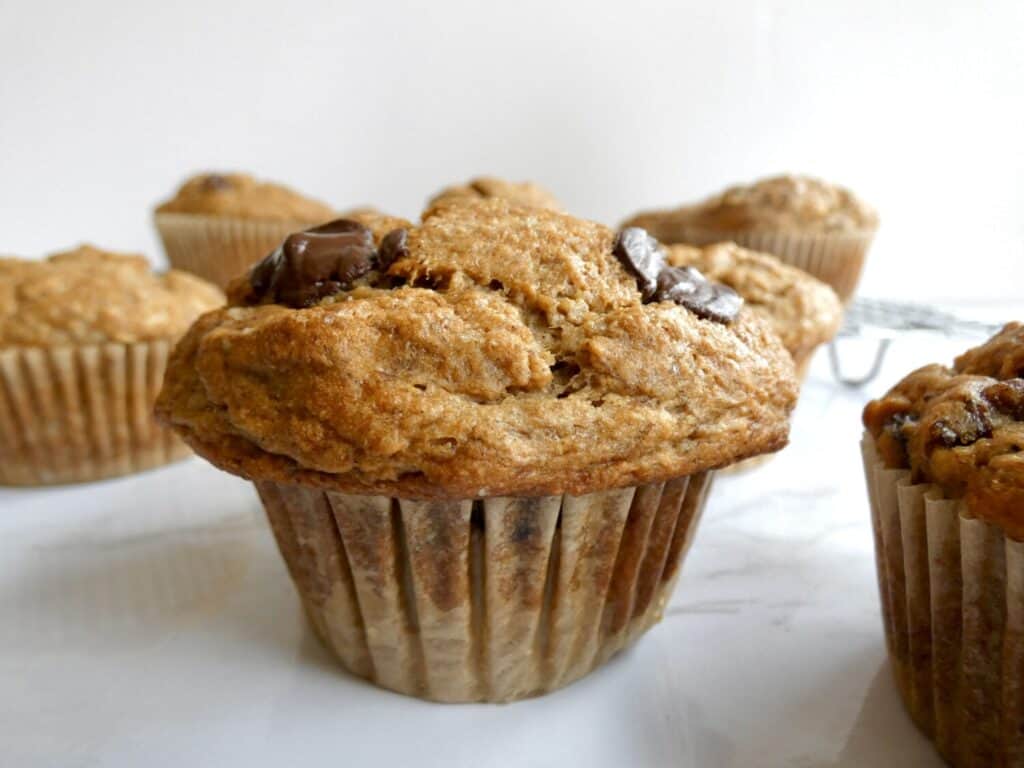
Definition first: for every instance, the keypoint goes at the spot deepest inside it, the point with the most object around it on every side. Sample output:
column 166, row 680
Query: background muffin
column 944, row 457
column 819, row 227
column 524, row 193
column 84, row 339
column 514, row 411
column 218, row 224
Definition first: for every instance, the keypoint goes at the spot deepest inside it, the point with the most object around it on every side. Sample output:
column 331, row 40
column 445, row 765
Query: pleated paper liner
column 74, row 414
column 836, row 259
column 220, row 248
column 492, row 599
column 952, row 594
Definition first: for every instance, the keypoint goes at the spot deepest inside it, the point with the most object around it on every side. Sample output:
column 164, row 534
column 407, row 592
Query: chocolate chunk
column 313, row 264
column 688, row 287
column 392, row 248
column 641, row 255
column 969, row 425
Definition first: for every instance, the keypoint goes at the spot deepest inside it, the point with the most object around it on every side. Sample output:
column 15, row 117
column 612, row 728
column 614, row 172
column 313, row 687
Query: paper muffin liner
column 220, row 248
column 491, row 599
column 73, row 414
column 952, row 595
column 836, row 259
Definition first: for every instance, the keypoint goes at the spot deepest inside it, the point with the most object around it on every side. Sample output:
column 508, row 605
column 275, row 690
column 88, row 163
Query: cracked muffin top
column 491, row 350
column 962, row 428
column 778, row 204
column 89, row 296
column 802, row 310
column 242, row 196
column 524, row 193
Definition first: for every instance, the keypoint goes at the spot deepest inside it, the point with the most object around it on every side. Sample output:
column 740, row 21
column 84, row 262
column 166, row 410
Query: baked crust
column 87, row 296
column 241, row 195
column 802, row 310
column 795, row 204
column 524, row 193
column 962, row 428
column 515, row 358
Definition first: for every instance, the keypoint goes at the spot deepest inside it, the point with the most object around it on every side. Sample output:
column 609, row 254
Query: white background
column 918, row 106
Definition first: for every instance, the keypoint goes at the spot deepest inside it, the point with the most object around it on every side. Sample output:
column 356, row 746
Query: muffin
column 944, row 458
column 524, row 193
column 84, row 340
column 217, row 225
column 818, row 227
column 484, row 442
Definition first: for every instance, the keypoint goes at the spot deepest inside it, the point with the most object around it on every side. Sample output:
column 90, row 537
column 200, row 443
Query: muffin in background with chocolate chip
column 459, row 404
column 524, row 193
column 821, row 228
column 217, row 225
column 944, row 458
column 803, row 311
column 84, row 340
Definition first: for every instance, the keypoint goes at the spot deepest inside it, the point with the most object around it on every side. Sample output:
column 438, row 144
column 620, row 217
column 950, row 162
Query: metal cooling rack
column 885, row 320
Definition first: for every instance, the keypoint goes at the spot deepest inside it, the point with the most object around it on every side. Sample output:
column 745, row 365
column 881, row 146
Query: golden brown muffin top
column 240, row 195
column 962, row 428
column 524, row 193
column 492, row 350
column 802, row 310
column 781, row 204
column 89, row 296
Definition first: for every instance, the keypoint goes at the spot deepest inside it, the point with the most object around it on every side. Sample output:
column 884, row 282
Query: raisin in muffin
column 502, row 422
column 218, row 224
column 819, row 227
column 944, row 456
column 84, row 339
column 524, row 193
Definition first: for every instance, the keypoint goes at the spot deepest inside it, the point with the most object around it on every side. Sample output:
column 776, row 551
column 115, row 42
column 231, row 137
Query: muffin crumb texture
column 492, row 350
column 242, row 196
column 87, row 296
column 962, row 428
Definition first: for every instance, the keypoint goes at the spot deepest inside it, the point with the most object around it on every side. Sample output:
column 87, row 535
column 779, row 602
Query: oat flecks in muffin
column 240, row 195
column 962, row 428
column 804, row 311
column 87, row 295
column 780, row 204
column 505, row 351
column 524, row 193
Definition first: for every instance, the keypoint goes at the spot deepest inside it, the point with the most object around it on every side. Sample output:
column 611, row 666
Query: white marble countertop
column 150, row 621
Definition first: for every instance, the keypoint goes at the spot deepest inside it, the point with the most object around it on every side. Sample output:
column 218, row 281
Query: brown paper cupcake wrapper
column 952, row 594
column 836, row 259
column 492, row 599
column 73, row 414
column 219, row 248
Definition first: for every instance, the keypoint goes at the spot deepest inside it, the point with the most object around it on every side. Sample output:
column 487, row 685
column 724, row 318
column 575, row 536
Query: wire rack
column 886, row 320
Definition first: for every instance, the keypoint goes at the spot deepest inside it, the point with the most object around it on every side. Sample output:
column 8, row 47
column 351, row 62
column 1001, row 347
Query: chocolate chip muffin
column 944, row 457
column 84, row 340
column 483, row 442
column 802, row 310
column 218, row 224
column 818, row 227
column 524, row 193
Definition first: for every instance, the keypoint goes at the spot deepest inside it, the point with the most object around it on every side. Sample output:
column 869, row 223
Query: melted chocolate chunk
column 392, row 248
column 641, row 255
column 313, row 264
column 971, row 424
column 688, row 287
